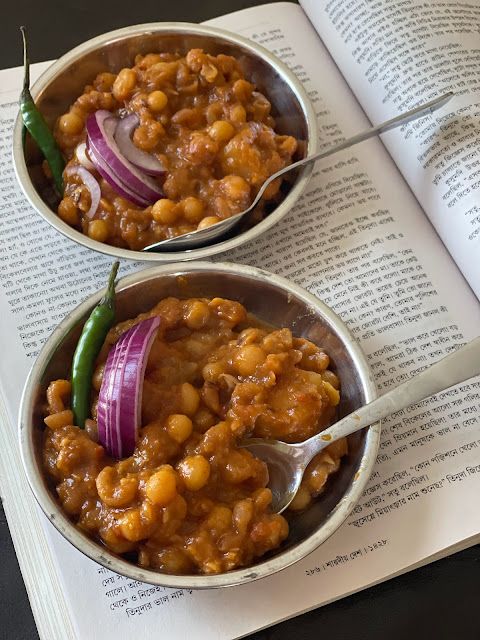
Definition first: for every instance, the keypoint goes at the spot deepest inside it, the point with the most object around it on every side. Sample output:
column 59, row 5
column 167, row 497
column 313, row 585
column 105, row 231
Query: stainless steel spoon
column 200, row 237
column 287, row 462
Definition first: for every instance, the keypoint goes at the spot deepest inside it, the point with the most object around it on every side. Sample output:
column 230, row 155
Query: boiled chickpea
column 197, row 315
column 98, row 230
column 332, row 393
column 238, row 115
column 204, row 419
column 124, row 84
column 179, row 427
column 195, row 471
column 67, row 210
column 147, row 136
column 131, row 525
column 192, row 209
column 59, row 420
column 208, row 222
column 235, row 187
column 222, row 131
column 70, row 123
column 301, row 500
column 189, row 399
column 157, row 101
column 161, row 487
column 212, row 370
column 248, row 358
column 163, row 211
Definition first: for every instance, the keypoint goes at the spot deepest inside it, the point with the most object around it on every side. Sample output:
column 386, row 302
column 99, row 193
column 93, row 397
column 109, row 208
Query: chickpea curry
column 173, row 144
column 189, row 499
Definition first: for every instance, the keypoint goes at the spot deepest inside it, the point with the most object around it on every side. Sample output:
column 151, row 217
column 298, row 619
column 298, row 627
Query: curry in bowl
column 172, row 144
column 175, row 492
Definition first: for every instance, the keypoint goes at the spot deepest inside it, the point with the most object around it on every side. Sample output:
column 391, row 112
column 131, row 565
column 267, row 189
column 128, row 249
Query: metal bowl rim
column 75, row 54
column 239, row 576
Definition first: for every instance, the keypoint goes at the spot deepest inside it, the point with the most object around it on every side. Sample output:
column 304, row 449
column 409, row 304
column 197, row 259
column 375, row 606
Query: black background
column 441, row 600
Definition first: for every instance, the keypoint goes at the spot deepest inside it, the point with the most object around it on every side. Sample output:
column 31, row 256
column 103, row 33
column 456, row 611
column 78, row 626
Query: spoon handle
column 454, row 368
column 403, row 118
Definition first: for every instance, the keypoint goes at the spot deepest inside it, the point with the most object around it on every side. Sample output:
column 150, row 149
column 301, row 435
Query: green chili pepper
column 91, row 340
column 36, row 125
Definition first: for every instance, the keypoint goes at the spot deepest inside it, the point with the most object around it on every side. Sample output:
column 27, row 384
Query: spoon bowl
column 287, row 462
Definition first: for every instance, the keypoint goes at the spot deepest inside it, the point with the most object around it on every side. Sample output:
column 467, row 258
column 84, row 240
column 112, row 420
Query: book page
column 395, row 55
column 358, row 240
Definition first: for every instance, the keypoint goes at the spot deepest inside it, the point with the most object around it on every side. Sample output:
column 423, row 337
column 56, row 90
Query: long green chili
column 91, row 340
column 36, row 125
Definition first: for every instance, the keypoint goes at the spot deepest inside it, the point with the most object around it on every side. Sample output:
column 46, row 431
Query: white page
column 395, row 55
column 363, row 239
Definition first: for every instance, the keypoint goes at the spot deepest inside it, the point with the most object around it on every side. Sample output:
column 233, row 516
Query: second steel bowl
column 64, row 81
column 274, row 301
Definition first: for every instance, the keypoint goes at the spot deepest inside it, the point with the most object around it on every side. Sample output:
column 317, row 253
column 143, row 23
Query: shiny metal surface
column 287, row 462
column 64, row 81
column 201, row 236
column 273, row 300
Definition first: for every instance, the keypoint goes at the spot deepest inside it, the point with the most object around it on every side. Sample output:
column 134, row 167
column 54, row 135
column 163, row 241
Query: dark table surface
column 437, row 601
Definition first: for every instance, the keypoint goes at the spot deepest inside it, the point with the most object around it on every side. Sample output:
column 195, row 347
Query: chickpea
column 301, row 500
column 157, row 101
column 222, row 131
column 179, row 427
column 211, row 371
column 238, row 115
column 243, row 515
column 131, row 525
column 208, row 222
column 213, row 112
column 197, row 315
column 161, row 487
column 204, row 419
column 316, row 476
column 219, row 519
column 195, row 472
column 147, row 136
column 70, row 123
column 192, row 209
column 189, row 399
column 67, row 210
column 57, row 393
column 329, row 376
column 98, row 230
column 59, row 420
column 235, row 187
column 248, row 358
column 242, row 89
column 124, row 84
column 106, row 205
column 163, row 211
column 115, row 491
column 332, row 393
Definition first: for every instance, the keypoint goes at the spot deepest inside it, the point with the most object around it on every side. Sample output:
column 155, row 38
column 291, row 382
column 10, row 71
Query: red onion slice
column 82, row 156
column 92, row 185
column 102, row 142
column 114, row 181
column 119, row 405
column 141, row 159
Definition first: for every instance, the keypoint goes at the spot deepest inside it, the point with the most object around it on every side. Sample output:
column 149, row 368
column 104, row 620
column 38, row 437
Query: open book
column 388, row 234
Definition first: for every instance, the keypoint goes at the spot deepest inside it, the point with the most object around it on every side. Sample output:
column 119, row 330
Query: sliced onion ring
column 141, row 159
column 119, row 405
column 101, row 141
column 117, row 185
column 90, row 182
column 82, row 156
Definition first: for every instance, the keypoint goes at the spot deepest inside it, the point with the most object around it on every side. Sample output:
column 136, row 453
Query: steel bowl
column 65, row 80
column 273, row 300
